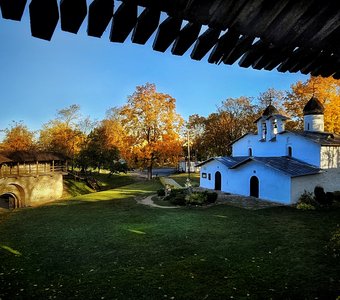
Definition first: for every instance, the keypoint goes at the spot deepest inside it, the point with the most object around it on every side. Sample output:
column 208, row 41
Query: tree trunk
column 149, row 172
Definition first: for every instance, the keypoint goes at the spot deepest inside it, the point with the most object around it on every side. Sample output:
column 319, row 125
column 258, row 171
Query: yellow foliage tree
column 18, row 138
column 152, row 128
column 327, row 90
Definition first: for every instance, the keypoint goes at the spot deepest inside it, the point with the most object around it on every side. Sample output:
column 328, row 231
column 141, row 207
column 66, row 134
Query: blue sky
column 38, row 77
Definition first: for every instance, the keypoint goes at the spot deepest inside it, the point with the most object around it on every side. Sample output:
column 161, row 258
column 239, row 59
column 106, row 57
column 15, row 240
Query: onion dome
column 270, row 110
column 313, row 107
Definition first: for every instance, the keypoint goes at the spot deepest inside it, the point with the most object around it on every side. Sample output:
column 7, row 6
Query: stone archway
column 14, row 195
column 8, row 201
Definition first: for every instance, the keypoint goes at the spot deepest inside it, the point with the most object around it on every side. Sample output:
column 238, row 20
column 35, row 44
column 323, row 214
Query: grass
column 182, row 177
column 105, row 246
column 73, row 188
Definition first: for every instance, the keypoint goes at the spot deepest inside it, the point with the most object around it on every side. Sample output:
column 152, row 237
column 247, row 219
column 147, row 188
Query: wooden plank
column 279, row 31
column 257, row 15
column 315, row 63
column 72, row 14
column 124, row 20
column 307, row 56
column 187, row 36
column 100, row 15
column 204, row 43
column 277, row 59
column 224, row 46
column 242, row 46
column 253, row 54
column 166, row 34
column 147, row 23
column 292, row 60
column 336, row 75
column 12, row 9
column 44, row 16
column 271, row 56
column 329, row 64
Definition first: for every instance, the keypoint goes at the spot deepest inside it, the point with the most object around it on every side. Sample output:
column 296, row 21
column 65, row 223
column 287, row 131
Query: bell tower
column 313, row 115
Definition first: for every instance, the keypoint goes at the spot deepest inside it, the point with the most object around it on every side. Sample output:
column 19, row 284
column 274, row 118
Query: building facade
column 276, row 164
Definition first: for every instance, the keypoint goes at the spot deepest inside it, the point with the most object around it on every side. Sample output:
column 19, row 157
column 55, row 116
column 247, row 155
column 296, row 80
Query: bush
column 334, row 243
column 161, row 192
column 305, row 206
column 336, row 195
column 322, row 198
column 307, row 198
column 211, row 197
column 177, row 197
column 196, row 198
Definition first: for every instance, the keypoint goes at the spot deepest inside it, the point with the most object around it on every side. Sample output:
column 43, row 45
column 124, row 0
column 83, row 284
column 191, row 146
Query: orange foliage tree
column 152, row 128
column 327, row 90
column 63, row 134
column 18, row 138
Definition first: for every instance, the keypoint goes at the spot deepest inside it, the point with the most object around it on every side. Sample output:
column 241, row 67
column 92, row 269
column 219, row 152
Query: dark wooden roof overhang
column 290, row 35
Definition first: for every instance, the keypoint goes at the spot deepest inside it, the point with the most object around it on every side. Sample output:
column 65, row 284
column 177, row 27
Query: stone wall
column 30, row 190
column 329, row 180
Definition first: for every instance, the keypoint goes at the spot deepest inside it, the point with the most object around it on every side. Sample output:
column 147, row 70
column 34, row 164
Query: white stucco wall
column 330, row 157
column 273, row 185
column 211, row 168
column 329, row 180
column 302, row 148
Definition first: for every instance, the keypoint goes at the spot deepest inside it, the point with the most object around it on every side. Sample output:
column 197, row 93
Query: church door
column 254, row 186
column 218, row 181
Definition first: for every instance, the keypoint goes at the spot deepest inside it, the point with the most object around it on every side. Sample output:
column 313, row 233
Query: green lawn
column 105, row 246
column 182, row 177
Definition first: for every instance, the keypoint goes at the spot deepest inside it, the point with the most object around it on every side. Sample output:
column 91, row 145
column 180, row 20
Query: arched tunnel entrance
column 9, row 201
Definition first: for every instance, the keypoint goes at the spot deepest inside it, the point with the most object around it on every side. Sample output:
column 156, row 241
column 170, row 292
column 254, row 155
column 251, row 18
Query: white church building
column 276, row 164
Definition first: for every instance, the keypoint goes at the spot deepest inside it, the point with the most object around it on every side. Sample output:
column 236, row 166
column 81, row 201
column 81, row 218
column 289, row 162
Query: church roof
column 288, row 165
column 270, row 110
column 313, row 107
column 321, row 138
column 228, row 161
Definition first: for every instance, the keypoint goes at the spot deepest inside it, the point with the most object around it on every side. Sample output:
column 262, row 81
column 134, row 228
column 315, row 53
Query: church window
column 250, row 152
column 209, row 176
column 204, row 175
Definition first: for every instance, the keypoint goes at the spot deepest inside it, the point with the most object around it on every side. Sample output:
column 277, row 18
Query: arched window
column 290, row 151
column 250, row 152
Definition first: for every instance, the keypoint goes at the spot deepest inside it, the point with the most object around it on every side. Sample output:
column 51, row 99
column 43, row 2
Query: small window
column 307, row 126
column 204, row 175
column 209, row 176
column 250, row 152
column 290, row 151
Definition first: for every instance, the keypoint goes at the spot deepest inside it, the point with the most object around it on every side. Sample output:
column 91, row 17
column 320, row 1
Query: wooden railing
column 30, row 169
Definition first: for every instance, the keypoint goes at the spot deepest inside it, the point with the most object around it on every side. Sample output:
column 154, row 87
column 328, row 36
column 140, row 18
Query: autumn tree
column 152, row 127
column 63, row 134
column 327, row 90
column 18, row 138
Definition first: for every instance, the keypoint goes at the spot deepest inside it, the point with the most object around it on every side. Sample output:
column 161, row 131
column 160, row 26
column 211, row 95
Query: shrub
column 307, row 198
column 196, row 198
column 320, row 195
column 177, row 196
column 211, row 197
column 336, row 195
column 161, row 192
column 305, row 206
column 334, row 243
